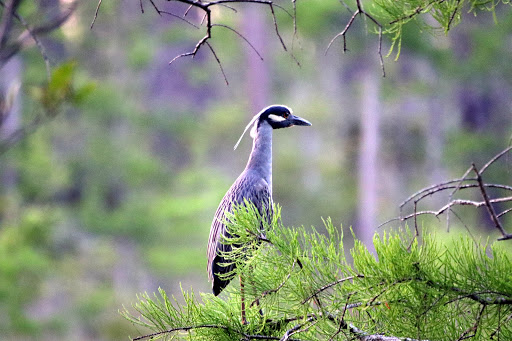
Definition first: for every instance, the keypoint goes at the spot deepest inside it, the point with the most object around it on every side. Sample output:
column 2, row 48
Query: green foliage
column 304, row 285
column 62, row 89
column 24, row 261
column 394, row 15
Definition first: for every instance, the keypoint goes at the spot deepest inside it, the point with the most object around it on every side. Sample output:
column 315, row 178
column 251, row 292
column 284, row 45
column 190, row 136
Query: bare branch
column 443, row 209
column 431, row 189
column 343, row 33
column 490, row 208
column 201, row 42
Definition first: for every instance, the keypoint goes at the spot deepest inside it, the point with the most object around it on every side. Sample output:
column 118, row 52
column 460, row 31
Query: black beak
column 298, row 121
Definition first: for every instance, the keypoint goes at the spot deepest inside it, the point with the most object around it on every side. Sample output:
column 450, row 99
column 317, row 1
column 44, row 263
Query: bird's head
column 280, row 116
column 277, row 116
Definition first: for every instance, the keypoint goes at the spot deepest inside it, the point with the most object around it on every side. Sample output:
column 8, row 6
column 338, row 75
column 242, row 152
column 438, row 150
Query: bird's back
column 252, row 187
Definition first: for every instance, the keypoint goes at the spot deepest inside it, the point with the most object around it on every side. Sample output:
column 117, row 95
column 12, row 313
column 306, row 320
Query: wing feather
column 252, row 188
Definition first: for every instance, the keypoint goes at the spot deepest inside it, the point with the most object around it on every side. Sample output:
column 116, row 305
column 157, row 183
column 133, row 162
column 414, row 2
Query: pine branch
column 400, row 285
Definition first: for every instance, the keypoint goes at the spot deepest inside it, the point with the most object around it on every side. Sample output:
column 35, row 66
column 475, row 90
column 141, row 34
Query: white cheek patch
column 276, row 118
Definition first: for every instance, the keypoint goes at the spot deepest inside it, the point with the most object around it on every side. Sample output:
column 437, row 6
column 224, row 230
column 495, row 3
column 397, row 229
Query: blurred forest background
column 115, row 195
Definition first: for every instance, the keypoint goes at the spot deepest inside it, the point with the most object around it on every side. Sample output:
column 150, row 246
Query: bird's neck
column 260, row 159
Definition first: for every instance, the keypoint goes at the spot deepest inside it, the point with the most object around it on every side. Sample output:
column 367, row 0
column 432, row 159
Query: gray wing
column 254, row 189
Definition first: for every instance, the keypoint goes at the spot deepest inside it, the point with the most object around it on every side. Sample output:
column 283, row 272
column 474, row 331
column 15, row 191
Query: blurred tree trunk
column 257, row 79
column 10, row 121
column 368, row 155
column 435, row 142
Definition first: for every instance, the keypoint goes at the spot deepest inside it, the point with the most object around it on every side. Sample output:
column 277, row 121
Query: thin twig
column 490, row 208
column 180, row 17
column 168, row 331
column 496, row 157
column 343, row 33
column 504, row 212
column 452, row 17
column 327, row 286
column 21, row 133
column 273, row 291
column 473, row 328
column 499, row 327
column 42, row 29
column 96, row 13
column 342, row 324
column 218, row 62
column 156, row 8
column 297, row 328
column 241, row 36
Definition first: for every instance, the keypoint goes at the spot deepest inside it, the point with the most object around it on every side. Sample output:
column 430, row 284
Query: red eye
column 286, row 114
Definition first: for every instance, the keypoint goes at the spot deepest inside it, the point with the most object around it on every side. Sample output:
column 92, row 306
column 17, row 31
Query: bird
column 253, row 185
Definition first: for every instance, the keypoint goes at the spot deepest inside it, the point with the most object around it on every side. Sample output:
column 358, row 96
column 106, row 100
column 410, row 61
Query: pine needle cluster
column 301, row 284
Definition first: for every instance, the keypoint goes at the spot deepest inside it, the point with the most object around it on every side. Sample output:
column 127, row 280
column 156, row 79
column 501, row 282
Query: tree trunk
column 257, row 79
column 368, row 156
